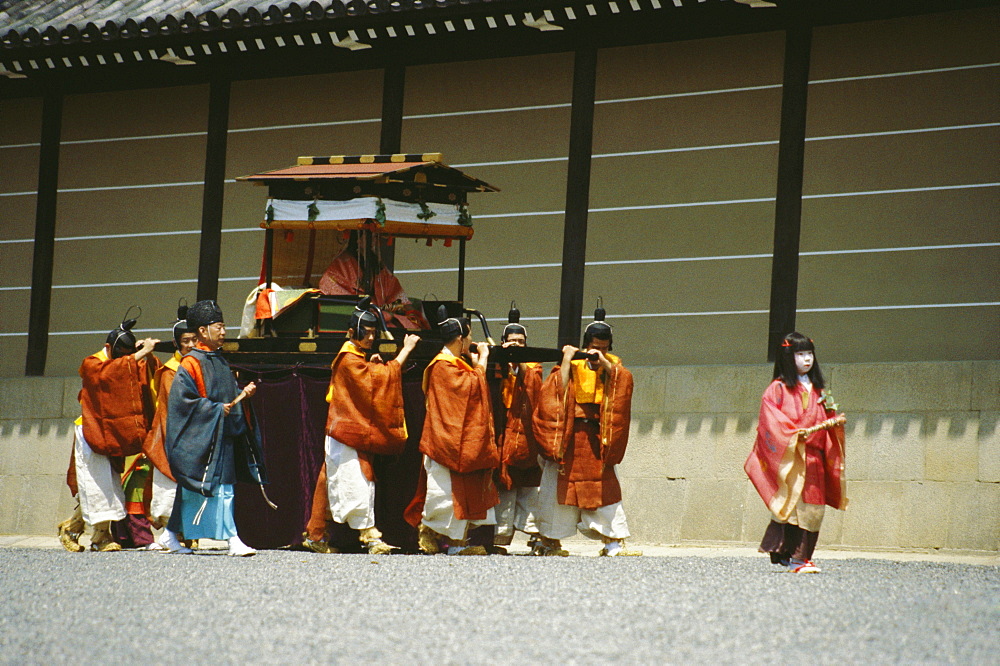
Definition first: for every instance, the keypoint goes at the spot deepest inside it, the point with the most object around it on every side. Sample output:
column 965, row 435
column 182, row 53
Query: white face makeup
column 804, row 362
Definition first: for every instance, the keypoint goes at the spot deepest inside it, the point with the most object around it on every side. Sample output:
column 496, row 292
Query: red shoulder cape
column 458, row 433
column 117, row 403
column 777, row 464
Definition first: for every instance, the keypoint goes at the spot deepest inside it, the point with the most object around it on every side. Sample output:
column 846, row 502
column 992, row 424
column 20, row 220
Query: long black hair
column 784, row 361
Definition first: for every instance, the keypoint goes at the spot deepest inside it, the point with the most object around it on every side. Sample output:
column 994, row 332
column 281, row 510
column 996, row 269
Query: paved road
column 289, row 606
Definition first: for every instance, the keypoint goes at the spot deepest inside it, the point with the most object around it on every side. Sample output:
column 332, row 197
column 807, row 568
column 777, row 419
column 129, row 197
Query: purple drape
column 291, row 413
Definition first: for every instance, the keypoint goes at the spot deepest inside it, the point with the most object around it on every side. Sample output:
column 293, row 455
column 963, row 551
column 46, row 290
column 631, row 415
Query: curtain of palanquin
column 291, row 255
column 291, row 414
column 291, row 411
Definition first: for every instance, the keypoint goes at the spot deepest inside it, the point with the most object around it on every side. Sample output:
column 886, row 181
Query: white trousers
column 516, row 511
column 162, row 503
column 100, row 487
column 560, row 521
column 351, row 495
column 439, row 507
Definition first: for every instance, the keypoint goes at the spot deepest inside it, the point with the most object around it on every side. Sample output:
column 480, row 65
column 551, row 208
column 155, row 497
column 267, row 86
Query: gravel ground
column 291, row 606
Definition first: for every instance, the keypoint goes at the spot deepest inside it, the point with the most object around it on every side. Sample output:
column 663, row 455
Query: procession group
column 160, row 447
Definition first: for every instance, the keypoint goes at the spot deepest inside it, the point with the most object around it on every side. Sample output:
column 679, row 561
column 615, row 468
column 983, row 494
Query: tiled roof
column 73, row 39
column 131, row 42
column 30, row 23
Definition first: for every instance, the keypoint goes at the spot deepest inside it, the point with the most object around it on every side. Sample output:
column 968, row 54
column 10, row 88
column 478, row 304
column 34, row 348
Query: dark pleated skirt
column 783, row 541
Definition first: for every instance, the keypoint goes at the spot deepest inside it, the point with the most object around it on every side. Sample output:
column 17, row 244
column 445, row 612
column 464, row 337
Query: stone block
column 31, row 397
column 973, row 520
column 716, row 388
column 989, row 447
column 655, row 509
column 832, row 531
column 951, row 446
column 860, row 432
column 648, row 393
column 755, row 515
column 11, row 488
column 690, row 446
column 714, row 510
column 903, row 387
column 45, row 501
column 35, row 446
column 733, row 436
column 71, row 397
column 926, row 515
column 985, row 385
column 646, row 455
column 885, row 447
column 875, row 513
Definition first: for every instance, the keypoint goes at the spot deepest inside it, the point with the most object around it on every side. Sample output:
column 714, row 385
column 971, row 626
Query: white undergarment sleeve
column 164, row 491
column 351, row 495
column 101, row 495
column 439, row 507
column 561, row 521
column 516, row 511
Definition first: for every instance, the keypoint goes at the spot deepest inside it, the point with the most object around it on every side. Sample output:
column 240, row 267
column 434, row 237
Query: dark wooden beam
column 461, row 271
column 577, row 196
column 393, row 86
column 788, row 204
column 45, row 236
column 391, row 137
column 214, row 190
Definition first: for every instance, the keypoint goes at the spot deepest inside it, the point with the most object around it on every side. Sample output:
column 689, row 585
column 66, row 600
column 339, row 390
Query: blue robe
column 207, row 450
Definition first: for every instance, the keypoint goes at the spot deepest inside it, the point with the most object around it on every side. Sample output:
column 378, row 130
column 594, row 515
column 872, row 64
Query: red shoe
column 802, row 566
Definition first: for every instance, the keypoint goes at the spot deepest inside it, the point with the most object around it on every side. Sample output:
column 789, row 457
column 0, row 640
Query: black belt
column 581, row 419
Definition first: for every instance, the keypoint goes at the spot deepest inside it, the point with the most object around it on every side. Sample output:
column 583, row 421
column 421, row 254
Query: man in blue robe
column 212, row 441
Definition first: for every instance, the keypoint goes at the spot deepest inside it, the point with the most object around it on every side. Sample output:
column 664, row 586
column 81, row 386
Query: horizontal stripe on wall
column 544, row 160
column 180, row 232
column 727, row 202
column 516, row 109
column 508, row 267
column 647, row 315
column 609, row 209
column 725, row 146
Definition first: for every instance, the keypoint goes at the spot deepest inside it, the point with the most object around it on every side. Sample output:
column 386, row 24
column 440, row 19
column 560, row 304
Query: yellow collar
column 589, row 384
column 352, row 348
column 446, row 355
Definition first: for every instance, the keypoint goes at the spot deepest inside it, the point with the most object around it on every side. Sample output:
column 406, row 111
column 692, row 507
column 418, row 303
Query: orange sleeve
column 194, row 369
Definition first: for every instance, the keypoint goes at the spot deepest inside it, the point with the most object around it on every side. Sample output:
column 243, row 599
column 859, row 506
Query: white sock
column 613, row 547
column 168, row 538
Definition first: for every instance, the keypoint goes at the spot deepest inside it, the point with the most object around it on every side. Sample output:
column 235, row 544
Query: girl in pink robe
column 797, row 462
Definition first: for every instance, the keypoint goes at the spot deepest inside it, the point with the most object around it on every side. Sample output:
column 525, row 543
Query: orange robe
column 366, row 405
column 784, row 468
column 585, row 430
column 458, row 433
column 117, row 402
column 518, row 446
column 153, row 445
column 365, row 413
